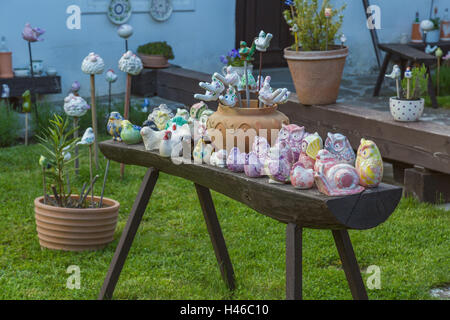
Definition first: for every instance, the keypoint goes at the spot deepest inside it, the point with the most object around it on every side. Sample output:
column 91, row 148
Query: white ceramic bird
column 165, row 148
column 270, row 97
column 230, row 77
column 88, row 137
column 408, row 73
column 429, row 49
column 111, row 76
column 230, row 98
column 152, row 139
column 262, row 42
column 343, row 39
column 180, row 132
column 219, row 158
column 5, row 91
column 213, row 90
column 396, row 72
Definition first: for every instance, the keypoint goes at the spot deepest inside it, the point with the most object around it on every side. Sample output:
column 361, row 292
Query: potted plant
column 155, row 54
column 408, row 105
column 315, row 62
column 234, row 61
column 66, row 221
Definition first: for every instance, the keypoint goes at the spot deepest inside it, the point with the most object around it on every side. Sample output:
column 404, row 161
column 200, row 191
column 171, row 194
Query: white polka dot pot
column 406, row 110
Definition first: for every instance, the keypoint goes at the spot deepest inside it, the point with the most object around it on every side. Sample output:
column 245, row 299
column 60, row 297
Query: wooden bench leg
column 431, row 90
column 293, row 262
column 126, row 240
column 350, row 265
column 382, row 74
column 215, row 233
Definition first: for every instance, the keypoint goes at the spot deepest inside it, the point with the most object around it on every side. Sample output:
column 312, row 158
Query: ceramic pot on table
column 406, row 110
column 153, row 61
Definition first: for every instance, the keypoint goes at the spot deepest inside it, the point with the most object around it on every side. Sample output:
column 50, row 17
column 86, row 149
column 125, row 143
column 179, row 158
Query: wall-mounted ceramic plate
column 161, row 10
column 119, row 11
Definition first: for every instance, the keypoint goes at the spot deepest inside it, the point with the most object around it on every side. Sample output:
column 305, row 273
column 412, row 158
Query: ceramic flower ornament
column 130, row 63
column 75, row 106
column 369, row 164
column 92, row 64
column 31, row 34
column 111, row 76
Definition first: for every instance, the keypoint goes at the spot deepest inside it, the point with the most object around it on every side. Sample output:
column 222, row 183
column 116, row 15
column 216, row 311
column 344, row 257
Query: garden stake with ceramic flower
column 438, row 55
column 76, row 107
column 88, row 139
column 408, row 76
column 110, row 77
column 26, row 108
column 246, row 55
column 262, row 42
column 93, row 64
column 131, row 64
column 395, row 74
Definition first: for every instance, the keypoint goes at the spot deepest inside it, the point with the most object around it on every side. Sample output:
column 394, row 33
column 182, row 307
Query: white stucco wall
column 198, row 37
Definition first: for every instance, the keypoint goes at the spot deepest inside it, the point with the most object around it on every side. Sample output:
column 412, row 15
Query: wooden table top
column 307, row 208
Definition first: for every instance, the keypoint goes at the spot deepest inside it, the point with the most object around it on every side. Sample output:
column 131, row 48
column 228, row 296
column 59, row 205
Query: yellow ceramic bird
column 369, row 164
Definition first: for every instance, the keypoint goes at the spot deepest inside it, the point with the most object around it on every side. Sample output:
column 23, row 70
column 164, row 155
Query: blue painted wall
column 198, row 37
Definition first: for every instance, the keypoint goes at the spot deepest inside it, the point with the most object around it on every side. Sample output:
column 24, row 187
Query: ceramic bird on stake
column 439, row 53
column 114, row 126
column 408, row 76
column 262, row 42
column 246, row 54
column 343, row 39
column 130, row 133
column 76, row 86
column 333, row 177
column 395, row 74
column 93, row 64
column 125, row 31
column 369, row 164
column 26, row 108
column 230, row 98
column 5, row 95
column 213, row 89
column 30, row 35
column 269, row 97
column 110, row 77
column 88, row 139
column 231, row 78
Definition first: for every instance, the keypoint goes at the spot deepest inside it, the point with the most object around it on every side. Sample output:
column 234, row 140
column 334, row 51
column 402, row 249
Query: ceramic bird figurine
column 270, row 97
column 197, row 110
column 114, row 126
column 88, row 137
column 429, row 49
column 369, row 164
column 32, row 34
column 335, row 178
column 151, row 124
column 252, row 85
column 339, row 146
column 293, row 135
column 165, row 147
column 230, row 78
column 279, row 163
column 152, row 138
column 230, row 98
column 182, row 113
column 177, row 120
column 311, row 145
column 130, row 134
column 254, row 166
column 262, row 42
column 75, row 87
column 408, row 73
column 301, row 177
column 125, row 31
column 213, row 90
column 160, row 116
column 236, row 160
column 180, row 132
column 5, row 91
column 343, row 39
column 396, row 73
column 26, row 101
column 202, row 152
column 111, row 76
column 245, row 52
column 145, row 105
column 219, row 158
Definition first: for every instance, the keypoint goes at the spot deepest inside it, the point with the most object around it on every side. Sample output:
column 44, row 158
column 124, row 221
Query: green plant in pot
column 315, row 61
column 408, row 105
column 64, row 220
column 155, row 54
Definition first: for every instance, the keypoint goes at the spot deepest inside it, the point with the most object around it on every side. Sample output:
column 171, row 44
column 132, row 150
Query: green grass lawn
column 172, row 257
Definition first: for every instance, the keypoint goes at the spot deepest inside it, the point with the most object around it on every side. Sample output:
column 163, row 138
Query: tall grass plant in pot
column 316, row 63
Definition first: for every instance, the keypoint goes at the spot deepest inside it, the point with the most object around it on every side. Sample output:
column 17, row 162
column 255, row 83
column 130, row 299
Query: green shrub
column 157, row 48
column 9, row 126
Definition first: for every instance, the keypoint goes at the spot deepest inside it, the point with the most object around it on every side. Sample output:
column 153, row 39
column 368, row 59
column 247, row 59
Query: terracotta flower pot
column 406, row 110
column 153, row 61
column 6, row 70
column 416, row 34
column 316, row 74
column 225, row 117
column 73, row 229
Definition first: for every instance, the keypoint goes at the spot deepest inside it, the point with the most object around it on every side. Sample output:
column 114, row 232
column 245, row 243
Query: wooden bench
column 424, row 144
column 297, row 208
